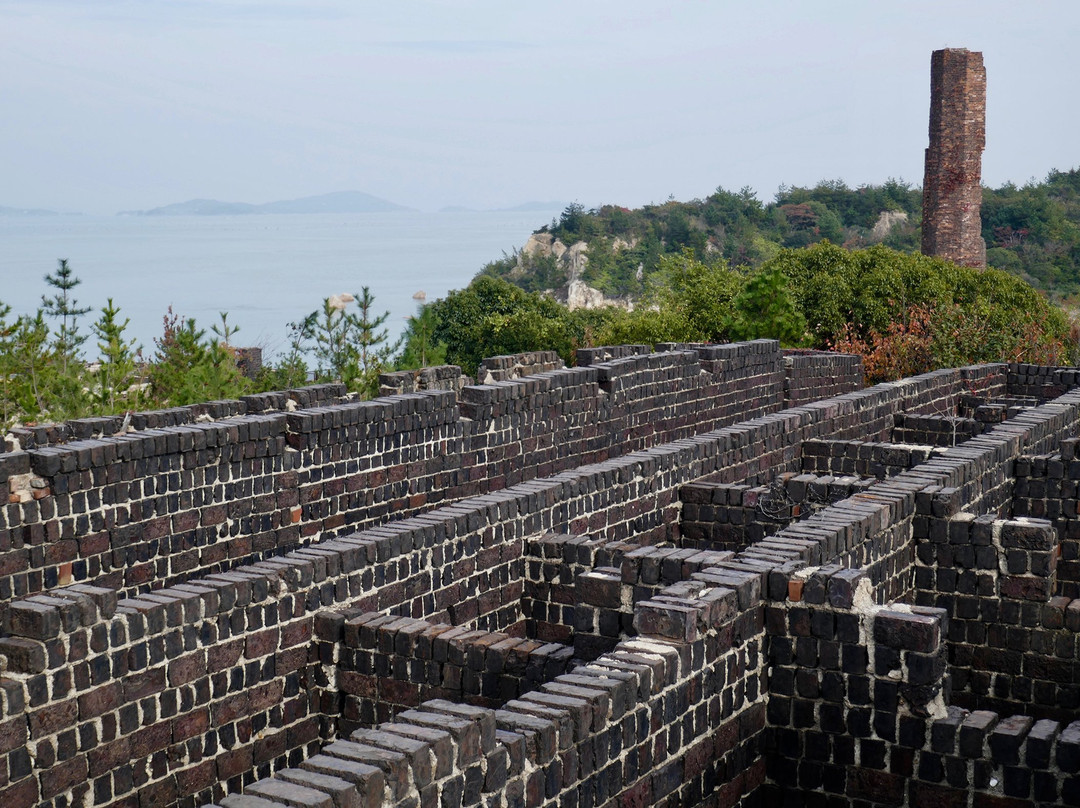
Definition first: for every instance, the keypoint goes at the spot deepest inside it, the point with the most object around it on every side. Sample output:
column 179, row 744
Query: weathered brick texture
column 552, row 634
column 952, row 189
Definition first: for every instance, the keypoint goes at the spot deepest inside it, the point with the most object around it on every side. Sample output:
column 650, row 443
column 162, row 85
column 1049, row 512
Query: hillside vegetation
column 1032, row 232
column 905, row 313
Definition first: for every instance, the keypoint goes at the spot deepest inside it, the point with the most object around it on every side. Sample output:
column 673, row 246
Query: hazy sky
column 109, row 105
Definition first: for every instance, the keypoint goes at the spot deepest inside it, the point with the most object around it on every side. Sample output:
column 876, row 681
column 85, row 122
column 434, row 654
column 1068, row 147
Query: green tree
column 9, row 406
column 348, row 347
column 882, row 298
column 64, row 307
column 115, row 386
column 420, row 348
column 685, row 301
column 64, row 384
column 372, row 342
column 764, row 309
column 291, row 370
column 30, row 363
column 492, row 316
column 190, row 368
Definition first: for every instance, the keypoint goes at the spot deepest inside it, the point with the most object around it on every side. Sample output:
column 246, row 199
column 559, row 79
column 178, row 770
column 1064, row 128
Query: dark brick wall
column 179, row 695
column 178, row 497
column 858, row 714
column 812, row 375
column 441, row 377
column 514, row 366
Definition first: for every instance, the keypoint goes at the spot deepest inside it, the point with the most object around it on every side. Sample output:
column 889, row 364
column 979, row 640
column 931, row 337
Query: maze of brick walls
column 560, row 634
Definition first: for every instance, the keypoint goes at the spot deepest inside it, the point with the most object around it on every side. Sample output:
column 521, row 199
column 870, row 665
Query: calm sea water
column 265, row 270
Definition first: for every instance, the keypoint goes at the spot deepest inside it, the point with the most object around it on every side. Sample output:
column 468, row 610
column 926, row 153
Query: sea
column 264, row 270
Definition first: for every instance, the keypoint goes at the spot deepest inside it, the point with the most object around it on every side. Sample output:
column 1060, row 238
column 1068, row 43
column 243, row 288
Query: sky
column 112, row 105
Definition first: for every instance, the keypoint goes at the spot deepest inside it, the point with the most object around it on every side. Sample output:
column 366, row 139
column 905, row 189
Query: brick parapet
column 631, row 497
column 601, row 732
column 159, row 506
column 855, row 710
column 515, row 366
column 439, row 377
column 812, row 375
column 163, row 504
column 1039, row 381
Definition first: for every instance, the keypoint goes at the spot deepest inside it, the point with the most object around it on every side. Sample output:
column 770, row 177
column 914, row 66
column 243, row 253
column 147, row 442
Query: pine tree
column 115, row 385
column 350, row 348
column 30, row 358
column 372, row 344
column 63, row 306
column 764, row 309
column 189, row 368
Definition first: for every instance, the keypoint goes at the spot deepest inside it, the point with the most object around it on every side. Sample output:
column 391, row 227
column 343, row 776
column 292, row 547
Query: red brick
column 101, row 700
column 269, row 747
column 234, row 763
column 261, row 643
column 59, row 778
column 104, row 759
column 231, row 708
column 152, row 738
column 225, row 655
column 51, row 719
column 191, row 724
column 158, row 794
column 23, row 794
column 196, row 778
column 296, row 633
column 146, row 683
column 12, row 734
column 185, row 669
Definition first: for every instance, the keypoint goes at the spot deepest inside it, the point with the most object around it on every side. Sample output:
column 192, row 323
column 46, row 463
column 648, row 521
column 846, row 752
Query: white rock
column 886, row 222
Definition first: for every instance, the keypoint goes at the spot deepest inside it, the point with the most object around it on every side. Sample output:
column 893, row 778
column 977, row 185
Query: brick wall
column 441, row 377
column 811, row 375
column 514, row 366
column 178, row 496
column 184, row 693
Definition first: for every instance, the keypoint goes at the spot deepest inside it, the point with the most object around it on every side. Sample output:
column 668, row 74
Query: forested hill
column 1032, row 231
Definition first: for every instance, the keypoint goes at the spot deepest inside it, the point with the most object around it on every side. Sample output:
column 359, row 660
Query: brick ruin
column 952, row 189
column 708, row 575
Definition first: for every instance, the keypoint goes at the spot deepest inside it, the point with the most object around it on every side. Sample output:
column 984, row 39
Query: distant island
column 524, row 207
column 6, row 211
column 339, row 202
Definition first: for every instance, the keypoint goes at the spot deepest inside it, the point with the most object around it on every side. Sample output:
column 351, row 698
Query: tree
column 492, row 316
column 63, row 387
column 328, row 331
column 65, row 307
column 421, row 349
column 115, row 385
column 29, row 363
column 350, row 348
column 764, row 310
column 291, row 370
column 372, row 342
column 9, row 406
column 686, row 301
column 190, row 368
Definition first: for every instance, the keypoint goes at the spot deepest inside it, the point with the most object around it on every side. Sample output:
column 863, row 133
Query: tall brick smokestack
column 952, row 190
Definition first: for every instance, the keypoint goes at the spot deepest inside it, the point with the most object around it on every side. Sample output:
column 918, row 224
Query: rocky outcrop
column 579, row 295
column 572, row 260
column 886, row 222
